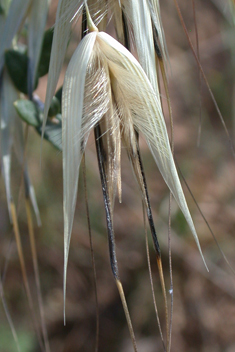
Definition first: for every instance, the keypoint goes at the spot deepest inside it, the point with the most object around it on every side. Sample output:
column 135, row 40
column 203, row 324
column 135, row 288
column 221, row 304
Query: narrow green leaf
column 8, row 115
column 16, row 63
column 44, row 62
column 17, row 67
column 54, row 107
column 36, row 27
column 58, row 94
column 28, row 112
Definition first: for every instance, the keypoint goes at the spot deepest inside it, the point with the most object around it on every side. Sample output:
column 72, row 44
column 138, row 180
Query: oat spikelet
column 107, row 82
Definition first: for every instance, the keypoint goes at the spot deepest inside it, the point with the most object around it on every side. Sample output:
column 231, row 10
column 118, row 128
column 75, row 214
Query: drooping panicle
column 133, row 101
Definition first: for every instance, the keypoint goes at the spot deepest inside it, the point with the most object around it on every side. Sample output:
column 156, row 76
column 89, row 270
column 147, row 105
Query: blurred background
column 204, row 309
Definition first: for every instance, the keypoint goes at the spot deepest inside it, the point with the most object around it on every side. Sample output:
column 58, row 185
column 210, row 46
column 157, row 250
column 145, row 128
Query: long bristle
column 128, row 319
column 151, row 278
column 92, row 254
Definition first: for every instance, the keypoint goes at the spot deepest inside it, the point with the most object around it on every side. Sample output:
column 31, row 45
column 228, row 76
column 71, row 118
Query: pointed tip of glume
column 204, row 261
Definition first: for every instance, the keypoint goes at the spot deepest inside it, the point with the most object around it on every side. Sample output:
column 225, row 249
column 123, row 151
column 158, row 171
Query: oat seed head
column 103, row 77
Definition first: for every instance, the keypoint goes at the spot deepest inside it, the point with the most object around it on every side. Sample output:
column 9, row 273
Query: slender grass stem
column 24, row 273
column 36, row 273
